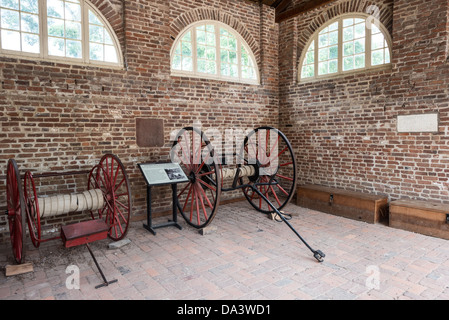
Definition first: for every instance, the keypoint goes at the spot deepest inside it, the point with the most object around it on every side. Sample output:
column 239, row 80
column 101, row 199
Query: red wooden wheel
column 110, row 177
column 32, row 209
column 270, row 152
column 198, row 199
column 16, row 211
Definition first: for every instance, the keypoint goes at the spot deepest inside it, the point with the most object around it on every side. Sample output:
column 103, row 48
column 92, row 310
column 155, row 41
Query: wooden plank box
column 424, row 217
column 349, row 204
column 84, row 232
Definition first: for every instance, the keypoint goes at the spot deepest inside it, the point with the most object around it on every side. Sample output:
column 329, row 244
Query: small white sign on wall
column 427, row 122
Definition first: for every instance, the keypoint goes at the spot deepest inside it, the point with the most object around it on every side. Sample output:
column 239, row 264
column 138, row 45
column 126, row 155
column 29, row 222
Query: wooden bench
column 349, row 204
column 424, row 217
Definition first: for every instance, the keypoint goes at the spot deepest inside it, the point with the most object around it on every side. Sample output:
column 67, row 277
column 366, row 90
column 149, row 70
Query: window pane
column 333, row 52
column 308, row 71
column 74, row 49
column 30, row 23
column 56, row 47
column 55, row 27
column 12, row 4
column 93, row 18
column 333, row 66
column 348, row 33
column 377, row 57
column 72, row 11
column 186, row 49
column 377, row 41
column 176, row 63
column 323, row 54
column 333, row 38
column 310, row 57
column 323, row 40
column 73, row 30
column 96, row 51
column 55, row 8
column 387, row 55
column 10, row 40
column 10, row 20
column 30, row 6
column 30, row 43
column 200, row 37
column 359, row 46
column 96, row 33
column 201, row 51
column 348, row 49
column 348, row 63
column 359, row 30
column 110, row 54
column 323, row 68
column 359, row 61
column 187, row 64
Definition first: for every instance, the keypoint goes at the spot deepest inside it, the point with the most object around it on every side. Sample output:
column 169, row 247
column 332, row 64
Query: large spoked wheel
column 198, row 199
column 16, row 211
column 110, row 177
column 270, row 152
column 32, row 209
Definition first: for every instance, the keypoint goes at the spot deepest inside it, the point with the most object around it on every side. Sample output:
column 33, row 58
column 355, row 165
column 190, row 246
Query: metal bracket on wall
column 331, row 199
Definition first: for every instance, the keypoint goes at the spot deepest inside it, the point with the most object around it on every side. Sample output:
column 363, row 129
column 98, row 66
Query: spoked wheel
column 16, row 211
column 32, row 209
column 198, row 199
column 110, row 177
column 270, row 152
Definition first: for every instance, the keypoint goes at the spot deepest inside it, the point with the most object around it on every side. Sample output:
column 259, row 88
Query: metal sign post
column 158, row 174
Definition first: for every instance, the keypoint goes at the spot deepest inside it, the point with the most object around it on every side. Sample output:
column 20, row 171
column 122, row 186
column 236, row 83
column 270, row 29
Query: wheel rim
column 269, row 150
column 32, row 209
column 110, row 177
column 16, row 214
column 198, row 199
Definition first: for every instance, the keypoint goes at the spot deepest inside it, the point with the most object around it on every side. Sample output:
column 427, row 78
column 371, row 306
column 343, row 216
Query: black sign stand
column 146, row 170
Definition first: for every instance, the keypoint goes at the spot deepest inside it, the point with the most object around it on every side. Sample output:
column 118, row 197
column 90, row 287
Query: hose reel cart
column 107, row 198
column 265, row 172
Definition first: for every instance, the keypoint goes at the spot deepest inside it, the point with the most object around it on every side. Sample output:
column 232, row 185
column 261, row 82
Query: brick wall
column 344, row 130
column 62, row 117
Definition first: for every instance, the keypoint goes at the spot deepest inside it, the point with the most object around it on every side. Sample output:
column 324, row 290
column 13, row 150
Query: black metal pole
column 319, row 255
column 105, row 281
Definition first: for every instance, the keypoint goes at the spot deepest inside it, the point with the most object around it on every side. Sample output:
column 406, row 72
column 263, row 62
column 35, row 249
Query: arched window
column 210, row 49
column 346, row 44
column 69, row 30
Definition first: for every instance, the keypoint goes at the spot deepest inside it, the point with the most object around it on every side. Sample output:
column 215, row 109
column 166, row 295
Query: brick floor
column 247, row 257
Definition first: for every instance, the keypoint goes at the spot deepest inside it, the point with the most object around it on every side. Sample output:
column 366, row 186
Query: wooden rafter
column 301, row 9
column 281, row 6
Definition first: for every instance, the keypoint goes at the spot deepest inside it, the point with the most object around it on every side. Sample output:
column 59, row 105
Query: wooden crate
column 84, row 232
column 424, row 217
column 349, row 204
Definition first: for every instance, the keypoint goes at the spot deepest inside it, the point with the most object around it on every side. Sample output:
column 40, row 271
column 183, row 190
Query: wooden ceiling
column 285, row 10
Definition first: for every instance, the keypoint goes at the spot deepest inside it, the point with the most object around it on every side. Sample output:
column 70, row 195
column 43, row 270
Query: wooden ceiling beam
column 282, row 6
column 301, row 9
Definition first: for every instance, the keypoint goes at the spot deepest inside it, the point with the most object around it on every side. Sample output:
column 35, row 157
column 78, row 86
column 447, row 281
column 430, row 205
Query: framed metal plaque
column 162, row 173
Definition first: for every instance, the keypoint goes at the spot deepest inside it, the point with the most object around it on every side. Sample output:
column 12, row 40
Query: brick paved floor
column 247, row 257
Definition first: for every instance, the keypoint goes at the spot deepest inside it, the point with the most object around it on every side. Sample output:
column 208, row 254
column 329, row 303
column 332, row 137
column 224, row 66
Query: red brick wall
column 62, row 117
column 344, row 130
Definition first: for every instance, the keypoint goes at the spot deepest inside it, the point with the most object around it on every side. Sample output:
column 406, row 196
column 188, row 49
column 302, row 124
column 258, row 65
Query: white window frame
column 85, row 60
column 340, row 72
column 195, row 74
